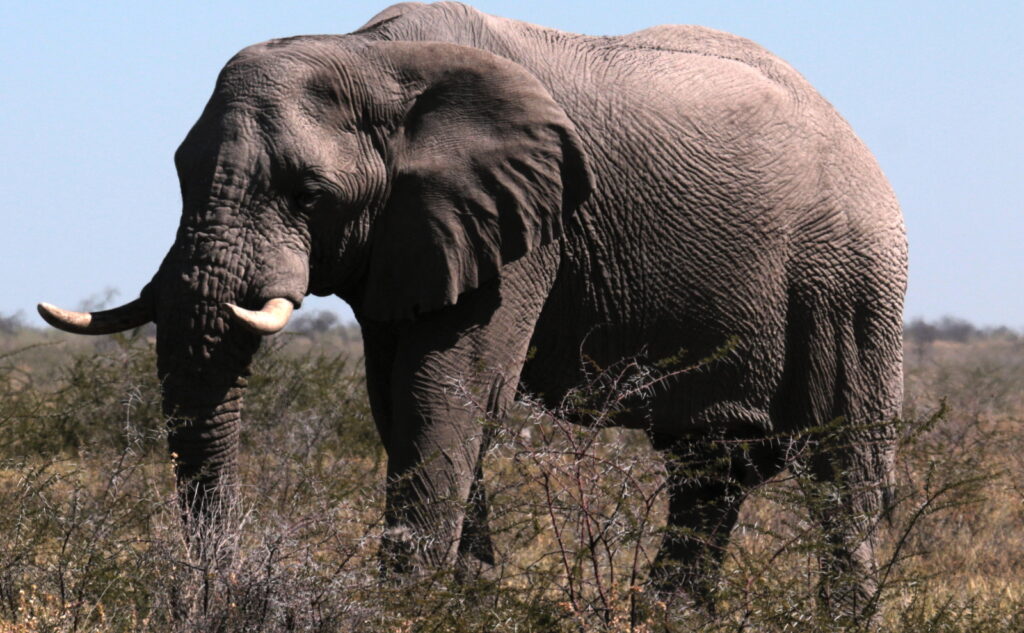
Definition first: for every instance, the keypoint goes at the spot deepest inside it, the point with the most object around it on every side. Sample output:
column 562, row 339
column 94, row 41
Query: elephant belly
column 665, row 368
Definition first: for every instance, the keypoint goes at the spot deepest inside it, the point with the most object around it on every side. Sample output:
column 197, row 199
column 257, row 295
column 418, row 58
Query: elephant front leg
column 476, row 549
column 437, row 503
column 430, row 475
column 450, row 372
column 429, row 439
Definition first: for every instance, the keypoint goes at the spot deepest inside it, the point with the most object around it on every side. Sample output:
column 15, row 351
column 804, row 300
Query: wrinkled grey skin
column 477, row 187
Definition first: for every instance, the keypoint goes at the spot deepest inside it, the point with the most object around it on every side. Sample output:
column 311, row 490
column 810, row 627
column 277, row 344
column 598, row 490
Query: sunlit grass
column 92, row 538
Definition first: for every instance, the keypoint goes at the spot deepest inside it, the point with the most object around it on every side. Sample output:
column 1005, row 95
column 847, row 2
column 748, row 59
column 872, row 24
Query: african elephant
column 478, row 188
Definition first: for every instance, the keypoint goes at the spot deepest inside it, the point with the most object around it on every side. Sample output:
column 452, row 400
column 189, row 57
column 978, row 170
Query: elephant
column 510, row 206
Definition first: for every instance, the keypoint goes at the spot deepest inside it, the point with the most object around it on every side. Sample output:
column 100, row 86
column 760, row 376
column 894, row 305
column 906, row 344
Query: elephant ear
column 485, row 167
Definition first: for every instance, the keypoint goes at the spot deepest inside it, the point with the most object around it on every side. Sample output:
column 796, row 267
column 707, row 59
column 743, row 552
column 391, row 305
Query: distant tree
column 948, row 328
column 12, row 323
column 350, row 332
column 920, row 332
column 317, row 322
column 99, row 301
column 1002, row 333
column 957, row 330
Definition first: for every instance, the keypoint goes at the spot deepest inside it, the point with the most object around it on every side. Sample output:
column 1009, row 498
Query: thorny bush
column 92, row 538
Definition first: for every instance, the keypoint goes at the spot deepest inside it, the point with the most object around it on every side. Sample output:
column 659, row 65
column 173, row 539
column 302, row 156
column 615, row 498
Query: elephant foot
column 476, row 561
column 473, row 571
column 849, row 601
column 398, row 557
column 402, row 558
column 680, row 586
column 665, row 604
column 477, row 582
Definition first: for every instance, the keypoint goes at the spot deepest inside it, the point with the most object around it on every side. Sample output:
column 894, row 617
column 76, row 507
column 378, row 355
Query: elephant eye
column 307, row 200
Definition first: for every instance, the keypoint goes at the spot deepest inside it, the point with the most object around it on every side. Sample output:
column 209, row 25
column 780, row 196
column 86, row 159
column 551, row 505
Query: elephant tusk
column 270, row 320
column 130, row 315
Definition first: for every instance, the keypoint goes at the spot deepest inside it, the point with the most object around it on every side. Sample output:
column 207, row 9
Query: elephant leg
column 476, row 550
column 703, row 505
column 400, row 553
column 846, row 489
column 428, row 490
column 453, row 370
column 475, row 547
column 852, row 393
column 707, row 480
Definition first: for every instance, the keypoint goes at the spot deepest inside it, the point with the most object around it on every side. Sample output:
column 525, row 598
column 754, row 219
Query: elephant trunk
column 203, row 437
column 204, row 372
column 206, row 341
column 203, row 360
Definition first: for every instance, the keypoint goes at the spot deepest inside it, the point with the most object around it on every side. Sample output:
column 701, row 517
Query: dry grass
column 92, row 539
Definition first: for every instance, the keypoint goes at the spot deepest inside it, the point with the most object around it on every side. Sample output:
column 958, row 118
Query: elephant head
column 396, row 175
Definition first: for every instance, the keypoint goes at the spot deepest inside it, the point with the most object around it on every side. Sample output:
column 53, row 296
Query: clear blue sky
column 96, row 97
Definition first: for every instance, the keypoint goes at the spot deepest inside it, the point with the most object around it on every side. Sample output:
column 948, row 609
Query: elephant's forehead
column 260, row 81
column 321, row 68
column 276, row 91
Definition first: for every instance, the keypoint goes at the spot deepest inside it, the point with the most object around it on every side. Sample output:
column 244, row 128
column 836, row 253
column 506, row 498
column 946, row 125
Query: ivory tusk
column 270, row 320
column 130, row 315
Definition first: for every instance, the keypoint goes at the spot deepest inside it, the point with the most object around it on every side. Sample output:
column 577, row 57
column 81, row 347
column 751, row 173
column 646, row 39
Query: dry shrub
column 92, row 537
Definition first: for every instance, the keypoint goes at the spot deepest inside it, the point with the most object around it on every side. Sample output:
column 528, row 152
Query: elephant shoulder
column 440, row 21
column 389, row 14
column 424, row 15
column 704, row 41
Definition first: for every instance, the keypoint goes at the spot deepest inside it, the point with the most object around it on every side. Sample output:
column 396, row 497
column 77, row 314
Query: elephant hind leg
column 707, row 480
column 850, row 397
column 846, row 496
